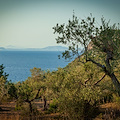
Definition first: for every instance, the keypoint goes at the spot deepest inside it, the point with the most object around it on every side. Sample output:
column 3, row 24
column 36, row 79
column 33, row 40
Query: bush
column 53, row 107
column 78, row 109
column 25, row 111
column 116, row 98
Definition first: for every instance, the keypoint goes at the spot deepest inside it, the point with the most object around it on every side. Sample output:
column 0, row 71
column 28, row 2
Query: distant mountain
column 10, row 46
column 49, row 48
column 54, row 48
column 2, row 48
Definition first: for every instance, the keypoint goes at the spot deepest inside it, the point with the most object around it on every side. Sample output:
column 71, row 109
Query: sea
column 18, row 63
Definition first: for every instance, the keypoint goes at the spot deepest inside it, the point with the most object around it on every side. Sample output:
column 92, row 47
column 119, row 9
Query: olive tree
column 76, row 90
column 104, row 40
column 31, row 89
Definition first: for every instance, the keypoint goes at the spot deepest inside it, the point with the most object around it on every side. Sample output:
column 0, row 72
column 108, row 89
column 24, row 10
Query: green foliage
column 74, row 87
column 76, row 34
column 13, row 91
column 2, row 73
column 53, row 107
column 104, row 40
column 116, row 98
column 7, row 89
column 30, row 89
column 4, row 84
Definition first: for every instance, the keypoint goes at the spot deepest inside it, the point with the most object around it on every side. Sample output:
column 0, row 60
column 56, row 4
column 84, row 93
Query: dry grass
column 8, row 113
column 109, row 111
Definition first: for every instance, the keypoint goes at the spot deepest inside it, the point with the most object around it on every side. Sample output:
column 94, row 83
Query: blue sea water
column 18, row 63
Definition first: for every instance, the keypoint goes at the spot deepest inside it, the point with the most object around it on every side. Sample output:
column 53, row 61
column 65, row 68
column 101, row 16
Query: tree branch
column 87, row 80
column 36, row 95
column 82, row 84
column 27, row 99
column 98, row 64
column 107, row 61
column 100, row 79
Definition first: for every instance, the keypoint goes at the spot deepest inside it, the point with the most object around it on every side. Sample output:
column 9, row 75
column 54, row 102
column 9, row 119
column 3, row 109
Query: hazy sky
column 28, row 23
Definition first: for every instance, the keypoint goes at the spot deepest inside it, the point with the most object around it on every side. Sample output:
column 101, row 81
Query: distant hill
column 2, row 48
column 54, row 48
column 49, row 48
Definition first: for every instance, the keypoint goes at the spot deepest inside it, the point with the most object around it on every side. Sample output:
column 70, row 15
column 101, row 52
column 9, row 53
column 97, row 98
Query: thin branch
column 27, row 99
column 87, row 80
column 36, row 95
column 82, row 84
column 98, row 64
column 100, row 79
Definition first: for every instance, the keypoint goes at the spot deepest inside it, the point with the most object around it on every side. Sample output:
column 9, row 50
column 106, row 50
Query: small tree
column 31, row 89
column 3, row 82
column 105, row 41
column 4, row 86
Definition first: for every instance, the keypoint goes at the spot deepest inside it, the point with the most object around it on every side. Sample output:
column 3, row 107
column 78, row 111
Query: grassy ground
column 109, row 111
column 8, row 113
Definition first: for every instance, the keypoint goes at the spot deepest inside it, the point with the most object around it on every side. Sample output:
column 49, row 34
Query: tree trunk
column 0, row 109
column 30, row 107
column 45, row 103
column 115, row 82
column 108, row 72
column 111, row 73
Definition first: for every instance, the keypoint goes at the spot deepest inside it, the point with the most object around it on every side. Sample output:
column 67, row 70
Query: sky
column 29, row 23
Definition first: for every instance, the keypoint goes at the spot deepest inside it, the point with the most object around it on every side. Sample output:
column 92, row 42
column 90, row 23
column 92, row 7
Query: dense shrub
column 53, row 107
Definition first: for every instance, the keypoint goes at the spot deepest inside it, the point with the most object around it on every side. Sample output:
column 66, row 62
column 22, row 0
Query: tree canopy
column 104, row 39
